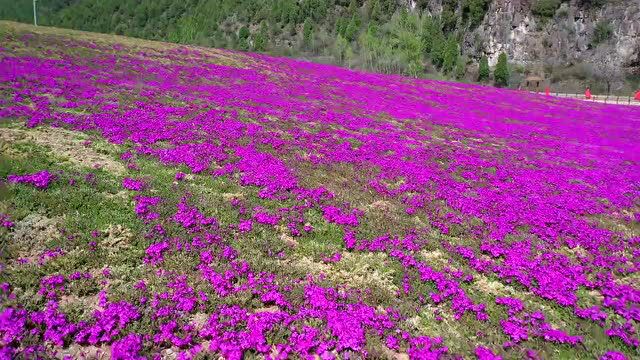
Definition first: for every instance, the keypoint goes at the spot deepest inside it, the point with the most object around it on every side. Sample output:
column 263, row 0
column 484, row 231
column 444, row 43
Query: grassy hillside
column 178, row 201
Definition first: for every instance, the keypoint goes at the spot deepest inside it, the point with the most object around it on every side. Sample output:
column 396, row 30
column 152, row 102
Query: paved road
column 612, row 99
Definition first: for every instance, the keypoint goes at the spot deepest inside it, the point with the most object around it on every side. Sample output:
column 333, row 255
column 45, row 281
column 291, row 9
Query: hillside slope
column 577, row 42
column 166, row 200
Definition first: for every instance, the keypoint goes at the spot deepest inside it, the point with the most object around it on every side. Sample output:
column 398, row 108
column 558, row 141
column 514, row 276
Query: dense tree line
column 377, row 35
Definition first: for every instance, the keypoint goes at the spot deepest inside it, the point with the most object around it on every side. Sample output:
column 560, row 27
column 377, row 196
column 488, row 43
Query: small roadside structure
column 533, row 83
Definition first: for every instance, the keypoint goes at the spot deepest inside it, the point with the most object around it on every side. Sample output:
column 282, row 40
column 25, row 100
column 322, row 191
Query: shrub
column 261, row 39
column 243, row 38
column 474, row 11
column 431, row 29
column 307, row 31
column 483, row 69
column 381, row 10
column 449, row 15
column 501, row 73
column 461, row 67
column 352, row 28
column 438, row 50
column 545, row 8
column 602, row 32
column 341, row 26
column 451, row 54
column 243, row 33
column 562, row 12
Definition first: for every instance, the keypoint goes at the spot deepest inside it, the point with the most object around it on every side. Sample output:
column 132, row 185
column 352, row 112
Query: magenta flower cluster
column 5, row 221
column 133, row 184
column 40, row 179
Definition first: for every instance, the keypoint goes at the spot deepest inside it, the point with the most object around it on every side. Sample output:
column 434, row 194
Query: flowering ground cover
column 246, row 206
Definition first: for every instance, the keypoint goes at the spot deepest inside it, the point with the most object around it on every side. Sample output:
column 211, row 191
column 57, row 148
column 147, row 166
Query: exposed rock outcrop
column 565, row 39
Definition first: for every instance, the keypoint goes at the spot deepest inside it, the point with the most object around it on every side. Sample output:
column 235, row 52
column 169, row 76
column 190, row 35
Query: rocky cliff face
column 565, row 39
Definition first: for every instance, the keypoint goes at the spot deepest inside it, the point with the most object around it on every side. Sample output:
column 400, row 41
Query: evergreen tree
column 449, row 16
column 474, row 11
column 461, row 67
column 450, row 54
column 483, row 69
column 244, row 33
column 243, row 38
column 351, row 32
column 261, row 39
column 431, row 32
column 307, row 32
column 381, row 10
column 353, row 6
column 501, row 72
column 340, row 49
column 375, row 10
column 341, row 26
column 437, row 49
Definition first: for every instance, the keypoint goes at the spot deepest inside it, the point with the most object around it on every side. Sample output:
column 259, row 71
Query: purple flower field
column 245, row 206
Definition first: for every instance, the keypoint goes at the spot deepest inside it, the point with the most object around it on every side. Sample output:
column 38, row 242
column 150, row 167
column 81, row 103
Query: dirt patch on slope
column 357, row 270
column 63, row 143
column 117, row 237
column 32, row 233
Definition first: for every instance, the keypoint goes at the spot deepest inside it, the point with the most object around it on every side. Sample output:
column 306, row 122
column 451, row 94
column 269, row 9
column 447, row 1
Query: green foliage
column 450, row 55
column 340, row 48
column 545, row 8
column 285, row 11
column 18, row 11
column 602, row 32
column 483, row 69
column 261, row 39
column 341, row 26
column 244, row 33
column 372, row 46
column 185, row 31
column 351, row 31
column 314, row 9
column 431, row 30
column 353, row 6
column 381, row 10
column 449, row 17
column 562, row 13
column 437, row 51
column 406, row 42
column 501, row 72
column 243, row 38
column 421, row 4
column 307, row 32
column 474, row 10
column 461, row 67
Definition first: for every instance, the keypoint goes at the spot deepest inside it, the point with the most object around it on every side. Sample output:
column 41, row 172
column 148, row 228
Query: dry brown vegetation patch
column 357, row 270
column 32, row 233
column 117, row 237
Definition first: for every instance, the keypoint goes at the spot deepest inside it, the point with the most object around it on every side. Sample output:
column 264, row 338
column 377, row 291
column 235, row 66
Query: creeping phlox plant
column 473, row 185
column 40, row 179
